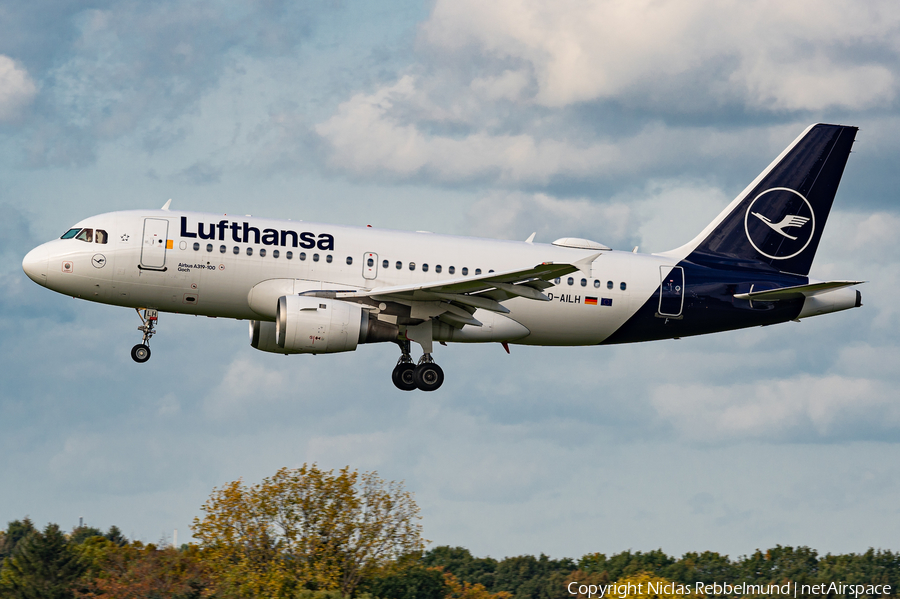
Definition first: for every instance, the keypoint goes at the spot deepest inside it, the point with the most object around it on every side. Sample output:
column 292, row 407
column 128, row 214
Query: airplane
column 312, row 288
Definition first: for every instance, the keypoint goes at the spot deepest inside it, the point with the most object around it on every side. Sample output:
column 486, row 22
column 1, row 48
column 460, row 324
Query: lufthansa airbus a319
column 310, row 288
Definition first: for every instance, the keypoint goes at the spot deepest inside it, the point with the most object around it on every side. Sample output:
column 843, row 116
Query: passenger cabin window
column 237, row 250
column 275, row 253
column 86, row 235
column 424, row 268
column 609, row 284
column 465, row 270
column 622, row 285
column 437, row 268
column 315, row 257
column 584, row 282
column 399, row 265
column 262, row 252
column 70, row 234
column 288, row 255
column 209, row 247
column 570, row 281
column 350, row 261
column 328, row 258
column 196, row 247
column 477, row 271
column 249, row 251
column 302, row 255
column 596, row 284
column 385, row 264
column 556, row 280
column 412, row 265
column 222, row 249
column 370, row 263
column 451, row 270
column 101, row 236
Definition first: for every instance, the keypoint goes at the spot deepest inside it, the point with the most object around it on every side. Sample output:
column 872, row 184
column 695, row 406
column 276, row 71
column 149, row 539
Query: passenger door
column 671, row 291
column 153, row 250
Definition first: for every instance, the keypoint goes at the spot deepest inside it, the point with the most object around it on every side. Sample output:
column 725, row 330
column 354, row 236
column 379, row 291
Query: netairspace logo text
column 791, row 589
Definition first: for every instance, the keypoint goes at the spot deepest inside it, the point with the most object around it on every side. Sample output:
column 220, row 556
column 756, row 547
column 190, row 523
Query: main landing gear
column 140, row 353
column 426, row 375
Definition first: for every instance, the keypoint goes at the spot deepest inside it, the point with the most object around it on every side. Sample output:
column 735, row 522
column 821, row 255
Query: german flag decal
column 590, row 301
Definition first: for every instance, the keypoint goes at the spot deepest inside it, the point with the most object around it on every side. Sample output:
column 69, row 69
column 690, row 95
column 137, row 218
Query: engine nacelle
column 340, row 326
column 314, row 325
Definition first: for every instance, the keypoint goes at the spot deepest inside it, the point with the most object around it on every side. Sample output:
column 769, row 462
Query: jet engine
column 314, row 325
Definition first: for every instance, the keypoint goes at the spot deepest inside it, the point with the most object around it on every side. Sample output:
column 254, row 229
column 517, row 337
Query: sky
column 632, row 123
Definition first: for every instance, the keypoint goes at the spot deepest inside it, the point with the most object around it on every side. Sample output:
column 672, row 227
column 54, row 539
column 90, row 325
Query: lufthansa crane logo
column 779, row 223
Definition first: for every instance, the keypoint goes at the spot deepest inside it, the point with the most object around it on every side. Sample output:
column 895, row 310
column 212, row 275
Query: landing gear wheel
column 429, row 376
column 140, row 353
column 404, row 376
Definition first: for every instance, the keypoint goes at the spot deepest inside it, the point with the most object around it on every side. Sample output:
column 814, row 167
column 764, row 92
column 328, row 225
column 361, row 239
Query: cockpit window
column 70, row 233
column 86, row 235
column 101, row 236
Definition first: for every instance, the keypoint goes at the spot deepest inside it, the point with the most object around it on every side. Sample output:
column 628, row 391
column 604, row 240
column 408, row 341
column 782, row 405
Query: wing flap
column 454, row 300
column 545, row 271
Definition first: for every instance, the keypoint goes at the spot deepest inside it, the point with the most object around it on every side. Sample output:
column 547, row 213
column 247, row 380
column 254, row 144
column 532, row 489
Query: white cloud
column 646, row 217
column 818, row 407
column 516, row 215
column 17, row 90
column 772, row 55
column 366, row 138
column 241, row 389
column 391, row 133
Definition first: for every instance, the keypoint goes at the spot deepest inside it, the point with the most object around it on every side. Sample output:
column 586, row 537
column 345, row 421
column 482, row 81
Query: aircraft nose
column 35, row 264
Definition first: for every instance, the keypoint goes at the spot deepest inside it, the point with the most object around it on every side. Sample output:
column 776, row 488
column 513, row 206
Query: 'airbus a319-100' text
column 317, row 289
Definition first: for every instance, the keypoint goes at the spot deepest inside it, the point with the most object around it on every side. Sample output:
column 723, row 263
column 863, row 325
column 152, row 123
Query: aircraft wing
column 454, row 300
column 798, row 291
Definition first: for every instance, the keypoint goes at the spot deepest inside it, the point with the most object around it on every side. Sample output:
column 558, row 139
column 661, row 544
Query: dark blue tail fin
column 778, row 219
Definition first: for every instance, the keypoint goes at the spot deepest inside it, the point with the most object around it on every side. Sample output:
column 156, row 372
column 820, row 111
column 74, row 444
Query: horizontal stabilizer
column 799, row 291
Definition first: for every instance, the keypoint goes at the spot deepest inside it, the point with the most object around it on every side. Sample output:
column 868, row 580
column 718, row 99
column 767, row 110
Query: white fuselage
column 174, row 271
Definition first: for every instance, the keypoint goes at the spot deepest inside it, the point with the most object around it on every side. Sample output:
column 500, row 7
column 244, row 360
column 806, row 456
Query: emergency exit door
column 153, row 250
column 370, row 266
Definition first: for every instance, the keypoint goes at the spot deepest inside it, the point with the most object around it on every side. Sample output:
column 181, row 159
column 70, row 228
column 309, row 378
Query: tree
column 14, row 533
column 459, row 562
column 415, row 582
column 42, row 566
column 137, row 570
column 305, row 528
column 80, row 534
column 115, row 535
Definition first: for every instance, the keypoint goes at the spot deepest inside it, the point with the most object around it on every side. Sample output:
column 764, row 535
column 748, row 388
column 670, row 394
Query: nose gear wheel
column 140, row 353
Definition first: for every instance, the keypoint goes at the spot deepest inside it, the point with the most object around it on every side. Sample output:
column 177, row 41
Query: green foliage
column 80, row 534
column 459, row 561
column 115, row 535
column 416, row 582
column 525, row 577
column 529, row 577
column 43, row 565
column 14, row 533
column 627, row 563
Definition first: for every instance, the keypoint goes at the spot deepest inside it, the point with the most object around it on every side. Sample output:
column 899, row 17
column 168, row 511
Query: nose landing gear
column 140, row 353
